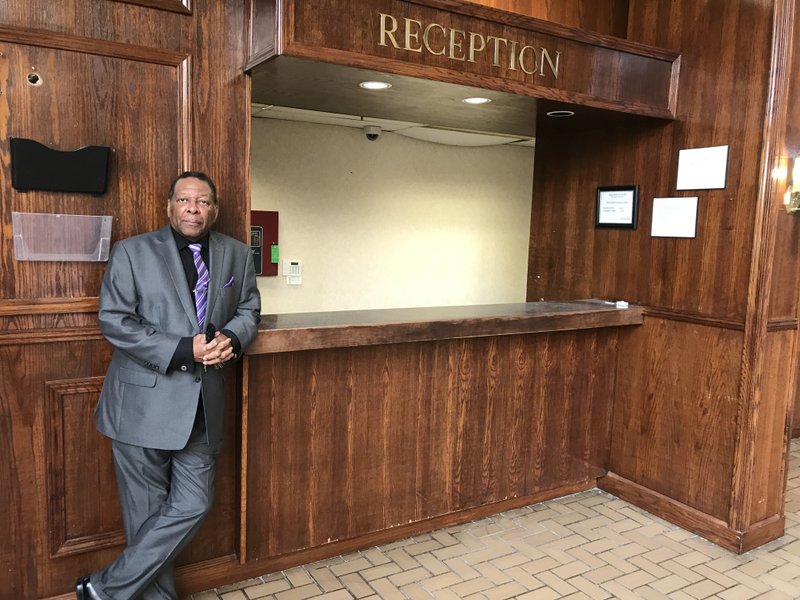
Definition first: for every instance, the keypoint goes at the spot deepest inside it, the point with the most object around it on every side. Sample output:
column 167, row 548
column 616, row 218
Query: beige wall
column 391, row 223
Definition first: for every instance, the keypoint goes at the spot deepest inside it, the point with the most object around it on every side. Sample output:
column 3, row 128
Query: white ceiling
column 418, row 131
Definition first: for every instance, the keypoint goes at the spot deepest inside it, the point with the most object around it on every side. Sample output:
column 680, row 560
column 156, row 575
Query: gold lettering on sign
column 388, row 33
column 467, row 46
column 412, row 35
column 474, row 47
column 426, row 37
column 456, row 33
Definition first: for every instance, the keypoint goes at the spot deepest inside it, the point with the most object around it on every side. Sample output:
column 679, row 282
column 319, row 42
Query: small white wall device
column 293, row 271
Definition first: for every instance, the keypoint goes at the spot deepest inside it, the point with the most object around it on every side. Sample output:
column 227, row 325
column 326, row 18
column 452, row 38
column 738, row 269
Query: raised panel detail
column 82, row 500
column 141, row 96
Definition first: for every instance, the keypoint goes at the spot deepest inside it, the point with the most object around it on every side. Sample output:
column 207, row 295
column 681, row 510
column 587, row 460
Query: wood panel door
column 148, row 79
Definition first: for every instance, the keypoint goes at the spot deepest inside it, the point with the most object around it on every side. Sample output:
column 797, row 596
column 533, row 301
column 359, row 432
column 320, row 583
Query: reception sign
column 472, row 45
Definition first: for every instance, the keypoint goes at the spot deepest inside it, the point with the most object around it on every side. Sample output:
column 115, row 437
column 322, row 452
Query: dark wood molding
column 48, row 306
column 185, row 129
column 41, row 336
column 243, row 460
column 178, row 6
column 689, row 518
column 686, row 317
column 262, row 32
column 57, row 394
column 60, row 41
column 782, row 324
column 260, row 57
column 762, row 532
column 776, row 324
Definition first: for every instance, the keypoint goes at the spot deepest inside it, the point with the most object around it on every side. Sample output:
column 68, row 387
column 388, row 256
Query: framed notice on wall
column 674, row 217
column 617, row 206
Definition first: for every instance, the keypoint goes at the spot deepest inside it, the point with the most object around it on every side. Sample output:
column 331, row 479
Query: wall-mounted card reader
column 293, row 271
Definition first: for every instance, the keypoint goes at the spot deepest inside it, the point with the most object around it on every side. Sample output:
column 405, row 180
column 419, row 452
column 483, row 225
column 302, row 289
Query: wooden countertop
column 342, row 329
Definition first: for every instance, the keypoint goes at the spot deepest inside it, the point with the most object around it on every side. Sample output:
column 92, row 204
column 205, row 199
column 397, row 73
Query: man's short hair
column 194, row 175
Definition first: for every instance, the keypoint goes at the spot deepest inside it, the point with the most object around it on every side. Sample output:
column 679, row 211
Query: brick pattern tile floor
column 590, row 545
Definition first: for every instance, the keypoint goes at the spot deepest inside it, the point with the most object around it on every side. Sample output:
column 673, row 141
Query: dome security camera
column 373, row 132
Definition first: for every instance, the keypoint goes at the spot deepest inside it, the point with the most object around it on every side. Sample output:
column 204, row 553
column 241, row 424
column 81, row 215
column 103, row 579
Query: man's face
column 191, row 210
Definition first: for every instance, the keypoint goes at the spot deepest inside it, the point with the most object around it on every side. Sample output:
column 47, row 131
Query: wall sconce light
column 791, row 198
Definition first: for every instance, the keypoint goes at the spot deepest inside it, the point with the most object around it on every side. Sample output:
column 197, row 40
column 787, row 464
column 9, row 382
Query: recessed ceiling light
column 375, row 85
column 561, row 113
column 476, row 100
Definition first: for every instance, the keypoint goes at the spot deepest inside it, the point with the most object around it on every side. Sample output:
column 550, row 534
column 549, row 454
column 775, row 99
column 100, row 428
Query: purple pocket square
column 229, row 283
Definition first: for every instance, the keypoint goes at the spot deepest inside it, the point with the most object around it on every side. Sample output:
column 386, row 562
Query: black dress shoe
column 81, row 591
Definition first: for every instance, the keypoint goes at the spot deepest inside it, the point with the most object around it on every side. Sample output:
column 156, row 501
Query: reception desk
column 359, row 427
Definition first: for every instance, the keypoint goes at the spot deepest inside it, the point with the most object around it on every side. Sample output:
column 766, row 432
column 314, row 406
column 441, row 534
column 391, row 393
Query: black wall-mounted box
column 34, row 166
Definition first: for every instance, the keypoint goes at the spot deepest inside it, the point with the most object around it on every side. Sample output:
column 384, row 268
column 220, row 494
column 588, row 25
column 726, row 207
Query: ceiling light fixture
column 375, row 85
column 476, row 100
column 560, row 113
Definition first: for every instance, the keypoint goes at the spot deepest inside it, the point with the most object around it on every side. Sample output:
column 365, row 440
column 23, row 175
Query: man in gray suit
column 178, row 304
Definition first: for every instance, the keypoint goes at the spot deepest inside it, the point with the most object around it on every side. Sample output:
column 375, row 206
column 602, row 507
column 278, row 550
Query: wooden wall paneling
column 608, row 17
column 725, row 218
column 694, row 289
column 765, row 522
column 161, row 82
column 569, row 257
column 111, row 113
column 220, row 117
column 62, row 514
column 771, row 430
column 439, row 431
column 794, row 410
column 111, row 20
column 379, row 437
column 591, row 434
column 786, row 269
column 50, row 519
column 703, row 277
column 784, row 292
column 783, row 305
column 674, row 410
column 399, row 451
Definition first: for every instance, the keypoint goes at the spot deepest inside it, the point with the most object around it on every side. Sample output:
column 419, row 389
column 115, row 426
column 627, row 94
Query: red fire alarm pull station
column 264, row 241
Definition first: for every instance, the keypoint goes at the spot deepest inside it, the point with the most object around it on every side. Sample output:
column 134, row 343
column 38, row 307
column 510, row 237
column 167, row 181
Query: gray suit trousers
column 165, row 495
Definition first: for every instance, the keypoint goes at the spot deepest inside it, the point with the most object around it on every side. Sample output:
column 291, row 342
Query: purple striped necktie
column 201, row 288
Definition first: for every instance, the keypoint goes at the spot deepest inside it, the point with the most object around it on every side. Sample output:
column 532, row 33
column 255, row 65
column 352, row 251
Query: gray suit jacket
column 145, row 309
